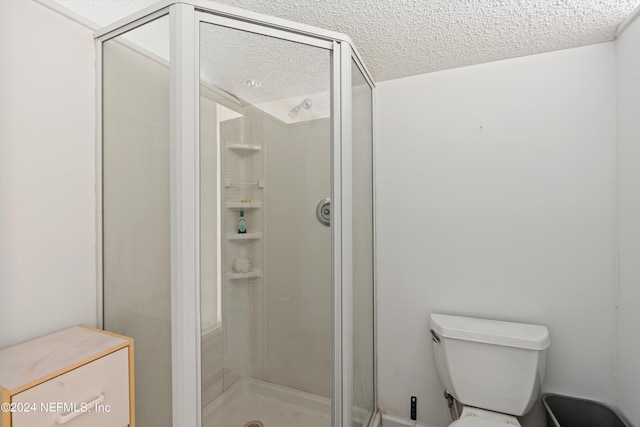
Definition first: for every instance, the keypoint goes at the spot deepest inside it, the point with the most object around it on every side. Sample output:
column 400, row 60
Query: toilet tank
column 490, row 364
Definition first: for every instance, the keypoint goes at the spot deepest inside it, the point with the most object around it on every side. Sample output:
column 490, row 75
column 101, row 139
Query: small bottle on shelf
column 242, row 224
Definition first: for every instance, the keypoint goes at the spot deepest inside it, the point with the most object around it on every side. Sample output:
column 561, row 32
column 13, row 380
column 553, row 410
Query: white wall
column 628, row 70
column 495, row 189
column 47, row 173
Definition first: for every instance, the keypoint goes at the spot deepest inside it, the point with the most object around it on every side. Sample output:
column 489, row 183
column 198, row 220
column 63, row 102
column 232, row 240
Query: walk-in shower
column 237, row 217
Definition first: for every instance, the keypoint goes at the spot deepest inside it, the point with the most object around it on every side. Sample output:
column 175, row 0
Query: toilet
column 493, row 368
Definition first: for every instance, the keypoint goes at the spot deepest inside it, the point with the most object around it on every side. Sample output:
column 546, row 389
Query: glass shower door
column 363, row 260
column 136, row 209
column 265, row 180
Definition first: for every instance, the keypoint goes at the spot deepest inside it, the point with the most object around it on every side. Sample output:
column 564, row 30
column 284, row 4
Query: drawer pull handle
column 61, row 419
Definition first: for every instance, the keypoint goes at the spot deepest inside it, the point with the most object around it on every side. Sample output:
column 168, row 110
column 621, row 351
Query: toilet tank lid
column 496, row 332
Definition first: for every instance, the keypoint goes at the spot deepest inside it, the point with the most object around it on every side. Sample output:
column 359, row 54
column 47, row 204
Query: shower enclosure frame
column 185, row 17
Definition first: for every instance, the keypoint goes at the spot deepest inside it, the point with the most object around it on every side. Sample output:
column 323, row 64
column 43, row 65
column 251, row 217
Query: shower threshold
column 273, row 405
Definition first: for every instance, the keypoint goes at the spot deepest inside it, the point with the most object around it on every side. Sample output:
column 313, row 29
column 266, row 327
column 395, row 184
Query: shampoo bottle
column 242, row 224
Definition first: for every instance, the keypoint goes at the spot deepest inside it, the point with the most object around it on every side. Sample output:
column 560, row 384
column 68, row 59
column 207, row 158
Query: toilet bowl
column 493, row 368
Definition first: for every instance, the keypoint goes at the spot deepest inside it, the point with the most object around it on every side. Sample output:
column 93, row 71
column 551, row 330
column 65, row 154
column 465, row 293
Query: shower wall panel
column 212, row 361
column 298, row 256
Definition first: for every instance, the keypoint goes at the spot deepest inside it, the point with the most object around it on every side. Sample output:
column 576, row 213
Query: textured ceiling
column 399, row 38
column 288, row 72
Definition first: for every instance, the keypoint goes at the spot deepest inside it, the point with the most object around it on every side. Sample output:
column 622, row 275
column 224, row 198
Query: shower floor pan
column 273, row 405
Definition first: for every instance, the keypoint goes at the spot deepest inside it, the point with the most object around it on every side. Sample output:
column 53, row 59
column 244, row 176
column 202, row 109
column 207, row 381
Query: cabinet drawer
column 105, row 380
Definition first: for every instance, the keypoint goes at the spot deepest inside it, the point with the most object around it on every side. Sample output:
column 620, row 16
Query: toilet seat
column 478, row 422
column 474, row 417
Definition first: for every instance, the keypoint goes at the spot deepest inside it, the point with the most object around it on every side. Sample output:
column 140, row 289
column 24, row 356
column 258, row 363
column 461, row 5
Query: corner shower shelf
column 241, row 206
column 247, row 236
column 249, row 275
column 244, row 147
